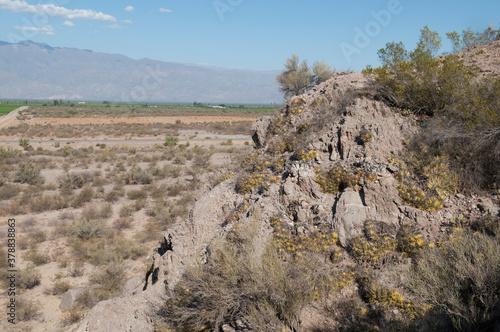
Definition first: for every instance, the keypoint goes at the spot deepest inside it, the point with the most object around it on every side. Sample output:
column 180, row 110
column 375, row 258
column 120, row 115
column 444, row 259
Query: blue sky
column 241, row 34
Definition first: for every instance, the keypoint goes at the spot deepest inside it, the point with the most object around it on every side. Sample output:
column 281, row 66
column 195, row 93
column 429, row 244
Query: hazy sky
column 242, row 34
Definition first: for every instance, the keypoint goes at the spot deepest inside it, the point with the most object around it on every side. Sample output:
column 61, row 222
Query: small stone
column 393, row 169
column 460, row 196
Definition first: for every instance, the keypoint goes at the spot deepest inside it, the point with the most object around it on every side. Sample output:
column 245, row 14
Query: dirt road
column 6, row 120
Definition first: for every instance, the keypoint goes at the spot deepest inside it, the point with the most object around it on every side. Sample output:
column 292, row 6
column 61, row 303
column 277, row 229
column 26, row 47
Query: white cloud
column 46, row 30
column 128, row 21
column 69, row 23
column 116, row 26
column 164, row 10
column 54, row 11
column 129, row 8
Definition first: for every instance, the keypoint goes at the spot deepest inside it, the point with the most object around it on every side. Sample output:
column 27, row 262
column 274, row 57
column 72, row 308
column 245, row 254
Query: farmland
column 7, row 108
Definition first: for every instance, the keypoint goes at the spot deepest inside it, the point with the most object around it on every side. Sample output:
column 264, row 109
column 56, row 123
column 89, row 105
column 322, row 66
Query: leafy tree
column 322, row 72
column 298, row 77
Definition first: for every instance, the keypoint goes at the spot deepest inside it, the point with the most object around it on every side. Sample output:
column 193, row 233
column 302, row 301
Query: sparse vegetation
column 461, row 279
column 464, row 107
column 297, row 77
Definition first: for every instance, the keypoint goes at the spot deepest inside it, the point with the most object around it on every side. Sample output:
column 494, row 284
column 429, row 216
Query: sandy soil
column 131, row 120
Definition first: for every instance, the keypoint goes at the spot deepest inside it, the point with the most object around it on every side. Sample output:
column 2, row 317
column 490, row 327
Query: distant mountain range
column 30, row 70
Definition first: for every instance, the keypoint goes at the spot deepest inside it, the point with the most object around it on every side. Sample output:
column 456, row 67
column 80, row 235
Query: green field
column 7, row 108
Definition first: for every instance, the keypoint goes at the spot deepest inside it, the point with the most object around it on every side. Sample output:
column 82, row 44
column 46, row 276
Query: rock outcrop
column 346, row 128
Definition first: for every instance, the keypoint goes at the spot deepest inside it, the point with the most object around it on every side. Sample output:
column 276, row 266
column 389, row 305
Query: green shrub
column 9, row 152
column 465, row 106
column 67, row 151
column 25, row 144
column 469, row 38
column 171, row 141
column 29, row 173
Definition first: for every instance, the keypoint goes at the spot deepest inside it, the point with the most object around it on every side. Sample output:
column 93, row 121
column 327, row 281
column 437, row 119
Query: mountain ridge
column 40, row 71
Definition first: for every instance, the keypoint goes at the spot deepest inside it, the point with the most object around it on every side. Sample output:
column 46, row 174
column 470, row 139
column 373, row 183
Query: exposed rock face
column 260, row 128
column 69, row 298
column 348, row 129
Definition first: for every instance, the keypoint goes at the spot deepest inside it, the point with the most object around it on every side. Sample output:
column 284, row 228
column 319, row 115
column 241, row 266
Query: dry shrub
column 85, row 195
column 71, row 317
column 126, row 211
column 71, row 181
column 86, row 229
column 94, row 212
column 48, row 203
column 28, row 277
column 114, row 194
column 137, row 194
column 236, row 285
column 76, row 270
column 106, row 283
column 102, row 251
column 37, row 258
column 8, row 191
column 140, row 176
column 27, row 310
column 59, row 287
column 461, row 278
column 123, row 223
column 30, row 174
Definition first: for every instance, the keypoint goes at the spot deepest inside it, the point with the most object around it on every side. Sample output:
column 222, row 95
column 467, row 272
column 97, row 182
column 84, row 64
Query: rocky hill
column 325, row 181
column 38, row 71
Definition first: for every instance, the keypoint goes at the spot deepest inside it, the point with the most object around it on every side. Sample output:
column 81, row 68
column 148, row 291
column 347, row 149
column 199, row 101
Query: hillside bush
column 461, row 277
column 267, row 294
column 468, row 38
column 464, row 107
